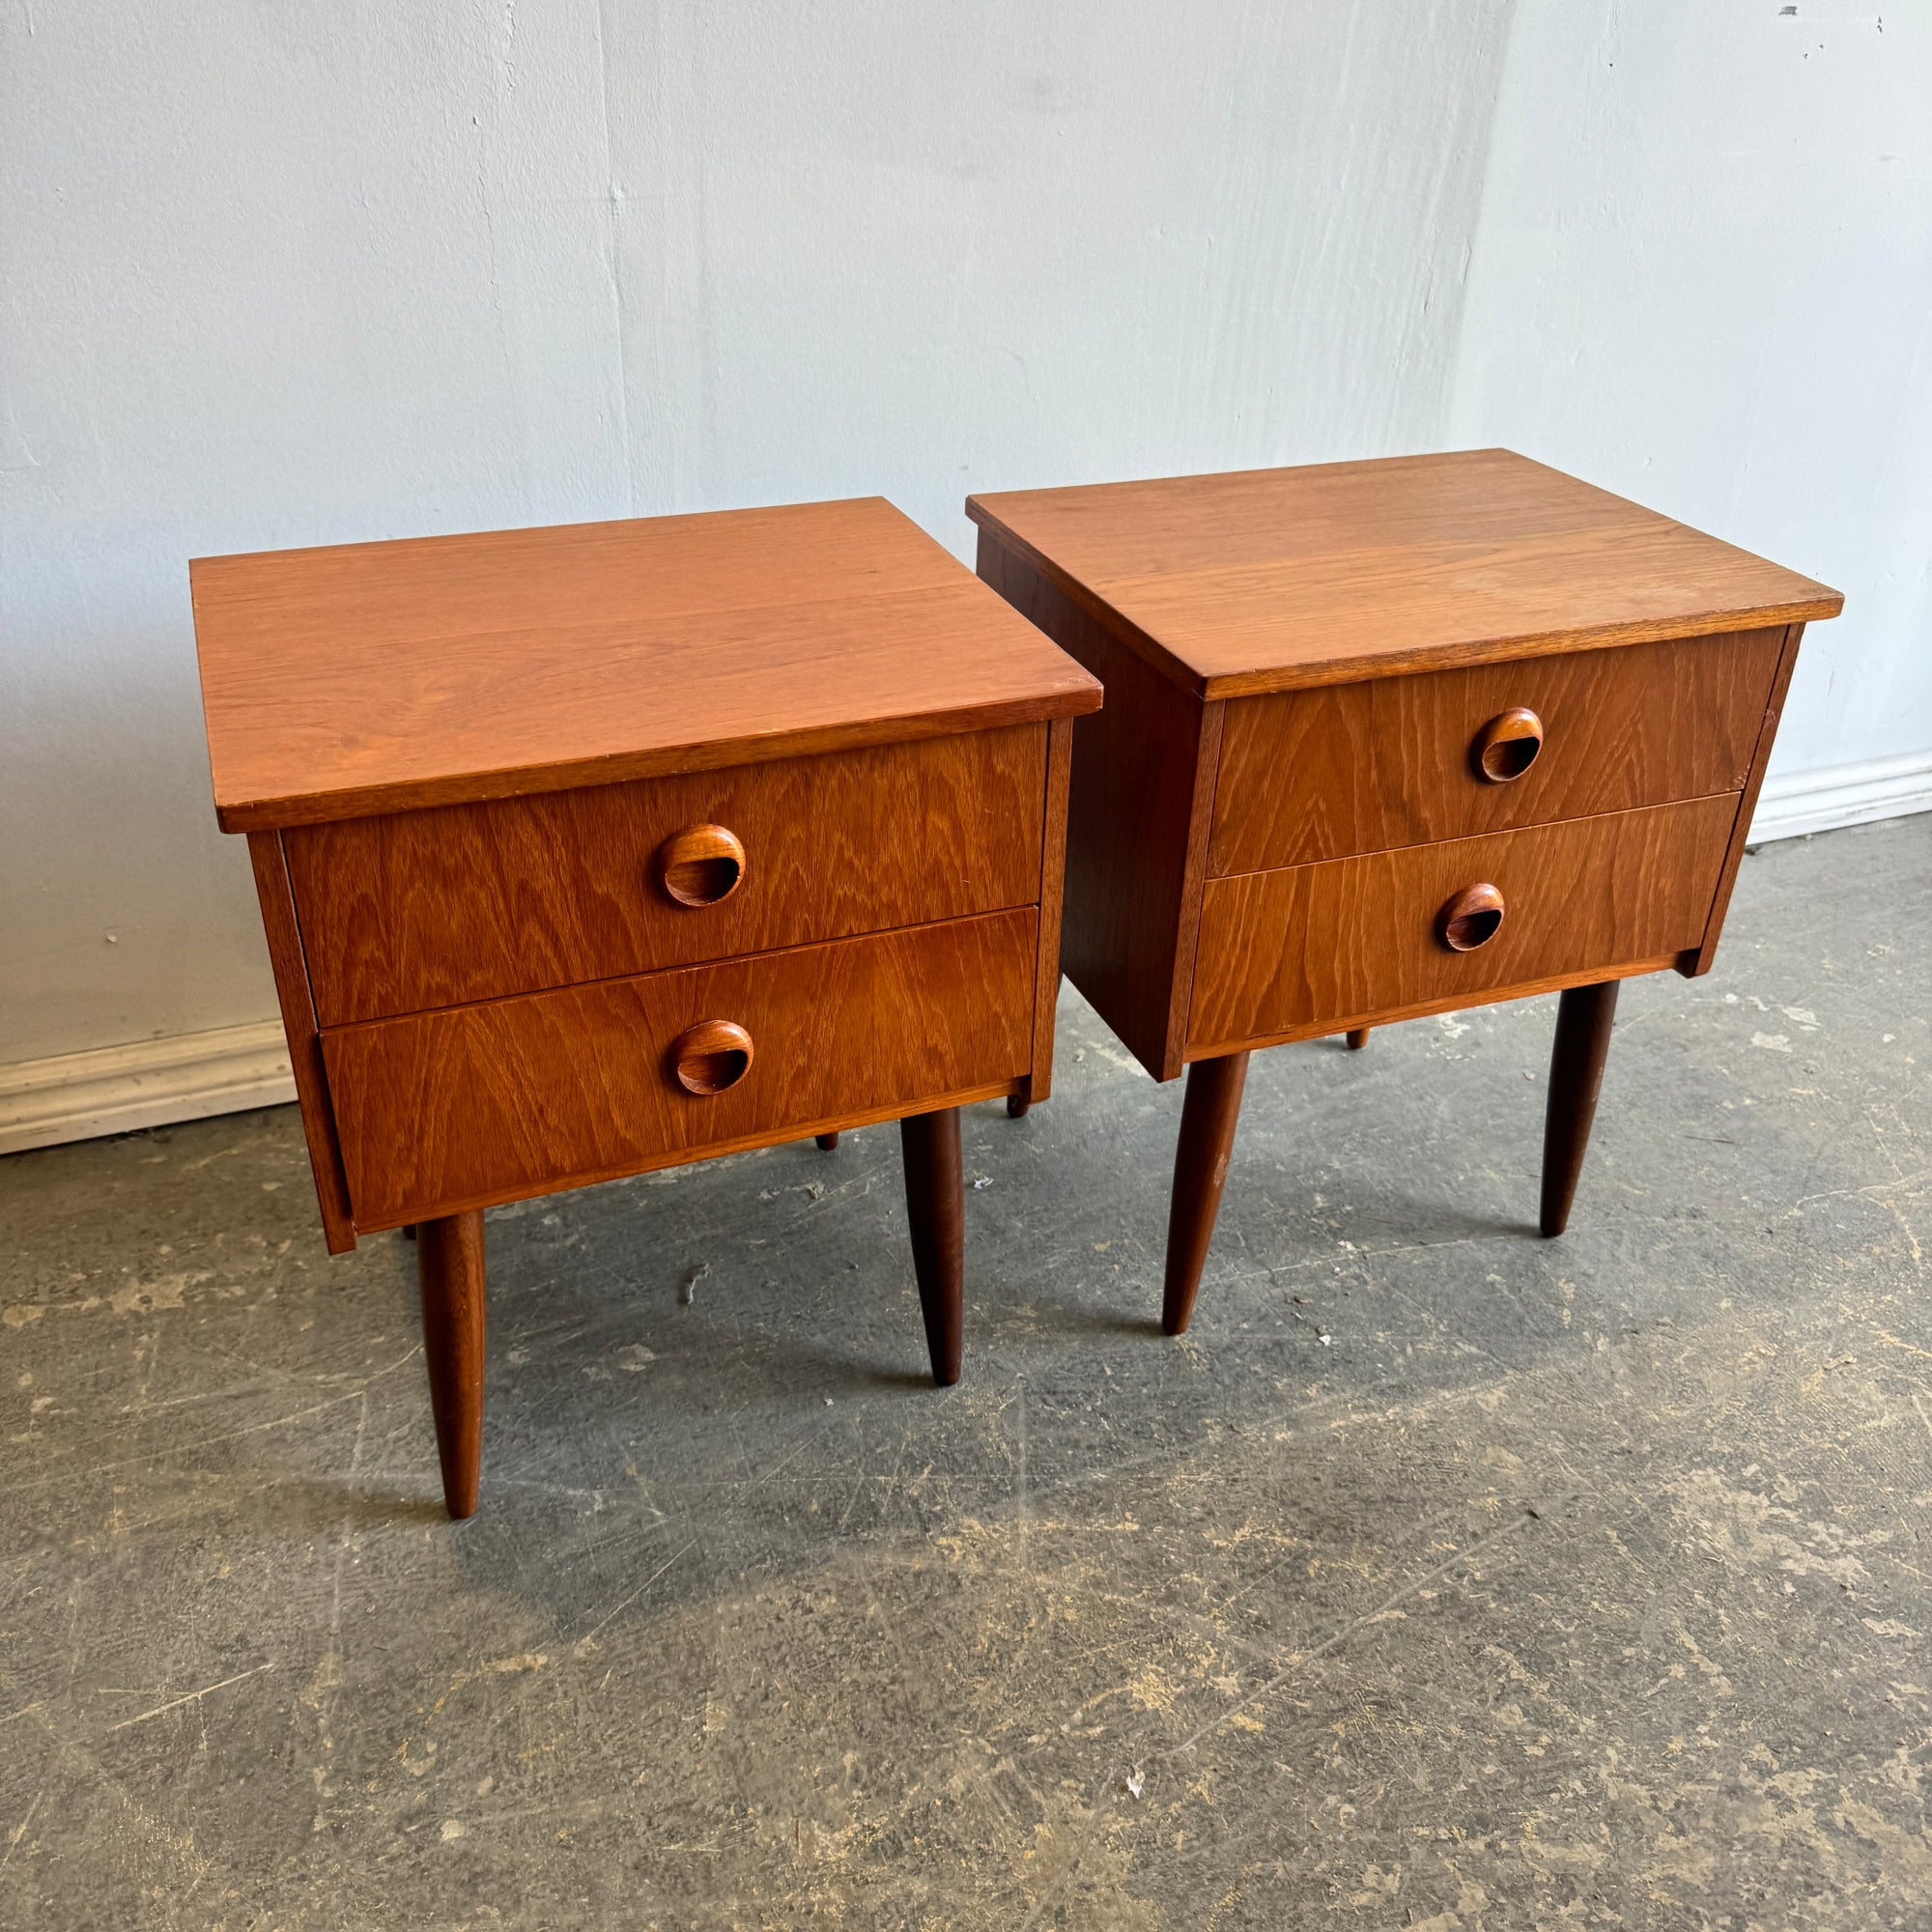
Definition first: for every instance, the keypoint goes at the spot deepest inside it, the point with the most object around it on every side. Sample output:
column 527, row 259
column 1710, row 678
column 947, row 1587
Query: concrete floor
column 1442, row 1576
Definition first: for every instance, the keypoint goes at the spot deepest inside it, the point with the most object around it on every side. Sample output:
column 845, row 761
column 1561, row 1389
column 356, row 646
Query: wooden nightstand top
column 383, row 677
column 1269, row 579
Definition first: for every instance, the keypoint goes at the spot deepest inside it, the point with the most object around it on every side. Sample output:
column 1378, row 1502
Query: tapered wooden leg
column 936, row 1207
column 450, row 1259
column 409, row 1231
column 1017, row 1105
column 1583, row 1018
column 826, row 1141
column 1358, row 1037
column 1207, row 1115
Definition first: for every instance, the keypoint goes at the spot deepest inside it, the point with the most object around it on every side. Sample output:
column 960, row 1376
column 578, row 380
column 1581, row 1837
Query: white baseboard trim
column 147, row 1083
column 1789, row 806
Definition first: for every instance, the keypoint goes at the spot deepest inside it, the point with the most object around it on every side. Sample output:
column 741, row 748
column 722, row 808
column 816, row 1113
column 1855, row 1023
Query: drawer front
column 1323, row 774
column 427, row 909
column 1310, row 947
column 509, row 1097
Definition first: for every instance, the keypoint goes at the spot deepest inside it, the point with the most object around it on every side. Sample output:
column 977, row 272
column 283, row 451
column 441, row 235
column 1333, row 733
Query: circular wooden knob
column 1471, row 918
column 711, row 1056
column 700, row 865
column 1506, row 747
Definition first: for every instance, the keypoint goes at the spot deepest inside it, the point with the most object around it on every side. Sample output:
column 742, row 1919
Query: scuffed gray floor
column 1442, row 1576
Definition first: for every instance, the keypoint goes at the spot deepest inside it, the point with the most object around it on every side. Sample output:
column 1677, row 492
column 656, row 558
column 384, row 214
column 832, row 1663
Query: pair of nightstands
column 592, row 850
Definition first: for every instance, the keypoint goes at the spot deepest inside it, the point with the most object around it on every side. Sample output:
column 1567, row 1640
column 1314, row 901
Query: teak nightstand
column 1385, row 739
column 591, row 850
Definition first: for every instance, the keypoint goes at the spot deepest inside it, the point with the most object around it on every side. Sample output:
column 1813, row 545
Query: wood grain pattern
column 1276, row 580
column 1322, row 774
column 424, row 909
column 1350, row 942
column 1699, row 960
column 1038, row 1084
column 1142, row 785
column 489, row 1102
column 304, row 1037
column 367, row 678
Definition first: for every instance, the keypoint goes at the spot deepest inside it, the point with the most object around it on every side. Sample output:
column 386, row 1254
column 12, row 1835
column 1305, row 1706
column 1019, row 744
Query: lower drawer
column 491, row 1103
column 1311, row 947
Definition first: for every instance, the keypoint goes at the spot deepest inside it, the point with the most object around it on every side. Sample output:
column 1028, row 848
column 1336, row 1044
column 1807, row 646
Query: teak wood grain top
column 1273, row 579
column 375, row 677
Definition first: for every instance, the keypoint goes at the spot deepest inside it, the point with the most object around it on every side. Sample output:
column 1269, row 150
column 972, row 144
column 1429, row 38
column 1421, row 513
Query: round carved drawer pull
column 701, row 864
column 1471, row 918
column 1506, row 747
column 711, row 1056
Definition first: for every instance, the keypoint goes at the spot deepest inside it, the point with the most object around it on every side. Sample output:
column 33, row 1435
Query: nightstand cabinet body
column 590, row 851
column 1388, row 739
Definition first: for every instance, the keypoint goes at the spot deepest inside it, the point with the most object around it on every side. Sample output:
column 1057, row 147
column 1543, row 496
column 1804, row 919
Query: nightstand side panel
column 304, row 1037
column 1143, row 788
column 1699, row 961
column 1052, row 899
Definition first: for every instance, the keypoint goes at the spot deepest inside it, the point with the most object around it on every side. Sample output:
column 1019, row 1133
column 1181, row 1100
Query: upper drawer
column 434, row 908
column 1397, row 761
column 508, row 1097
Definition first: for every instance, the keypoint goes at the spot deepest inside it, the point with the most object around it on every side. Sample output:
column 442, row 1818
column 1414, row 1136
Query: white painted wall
column 283, row 275
column 1703, row 278
column 279, row 274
